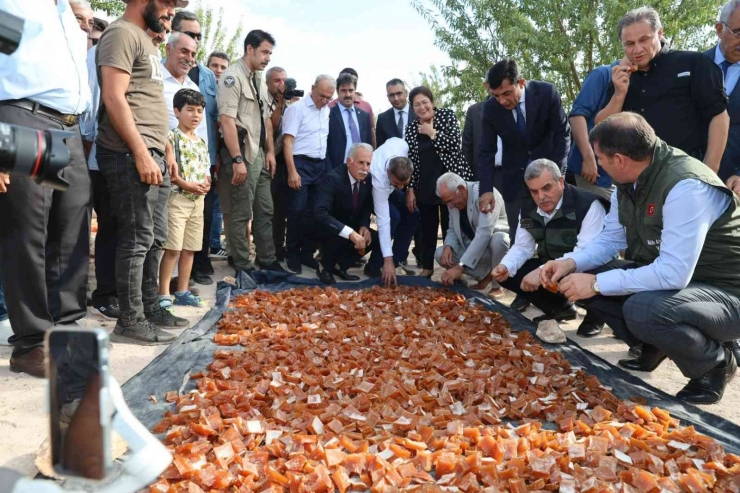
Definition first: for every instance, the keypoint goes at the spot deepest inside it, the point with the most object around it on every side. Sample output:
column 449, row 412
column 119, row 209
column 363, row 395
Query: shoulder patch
column 229, row 81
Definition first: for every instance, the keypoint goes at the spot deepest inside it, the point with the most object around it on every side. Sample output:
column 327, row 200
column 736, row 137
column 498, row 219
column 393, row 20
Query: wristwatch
column 238, row 159
column 595, row 286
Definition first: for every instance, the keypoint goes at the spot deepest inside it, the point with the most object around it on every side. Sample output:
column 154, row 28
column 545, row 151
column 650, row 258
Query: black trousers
column 106, row 241
column 201, row 262
column 543, row 299
column 431, row 216
column 279, row 189
column 339, row 251
column 513, row 208
column 45, row 242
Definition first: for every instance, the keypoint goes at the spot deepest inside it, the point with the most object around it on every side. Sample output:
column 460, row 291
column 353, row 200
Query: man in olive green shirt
column 678, row 291
column 248, row 157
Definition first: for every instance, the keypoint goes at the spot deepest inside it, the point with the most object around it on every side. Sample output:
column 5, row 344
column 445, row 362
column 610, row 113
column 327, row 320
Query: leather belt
column 308, row 158
column 40, row 109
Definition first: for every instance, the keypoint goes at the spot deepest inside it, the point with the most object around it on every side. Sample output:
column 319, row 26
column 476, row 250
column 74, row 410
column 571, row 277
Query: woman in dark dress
column 435, row 149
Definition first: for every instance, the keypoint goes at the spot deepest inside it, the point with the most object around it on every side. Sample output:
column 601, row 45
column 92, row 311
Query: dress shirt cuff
column 510, row 265
column 610, row 283
column 346, row 231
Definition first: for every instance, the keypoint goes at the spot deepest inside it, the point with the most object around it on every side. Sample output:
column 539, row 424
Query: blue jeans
column 217, row 224
column 403, row 226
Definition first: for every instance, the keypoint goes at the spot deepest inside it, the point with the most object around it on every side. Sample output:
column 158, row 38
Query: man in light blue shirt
column 678, row 291
column 44, row 234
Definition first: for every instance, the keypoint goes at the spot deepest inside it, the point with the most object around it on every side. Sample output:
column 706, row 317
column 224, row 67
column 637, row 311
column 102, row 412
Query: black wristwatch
column 238, row 159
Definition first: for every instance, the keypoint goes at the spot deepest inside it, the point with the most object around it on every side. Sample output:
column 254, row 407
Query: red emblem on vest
column 651, row 210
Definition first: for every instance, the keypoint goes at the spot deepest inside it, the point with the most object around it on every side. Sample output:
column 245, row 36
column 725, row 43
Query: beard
column 152, row 19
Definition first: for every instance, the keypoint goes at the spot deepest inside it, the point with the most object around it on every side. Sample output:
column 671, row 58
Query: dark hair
column 625, row 133
column 256, row 37
column 395, row 82
column 99, row 24
column 182, row 15
column 346, row 79
column 188, row 96
column 504, row 69
column 423, row 91
column 349, row 70
column 217, row 54
column 401, row 167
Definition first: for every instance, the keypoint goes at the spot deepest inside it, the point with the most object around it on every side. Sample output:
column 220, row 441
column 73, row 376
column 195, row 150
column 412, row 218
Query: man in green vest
column 678, row 289
column 556, row 220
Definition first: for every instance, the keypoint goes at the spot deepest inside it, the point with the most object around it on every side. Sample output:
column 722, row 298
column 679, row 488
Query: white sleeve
column 607, row 244
column 291, row 120
column 383, row 217
column 346, row 231
column 691, row 207
column 523, row 250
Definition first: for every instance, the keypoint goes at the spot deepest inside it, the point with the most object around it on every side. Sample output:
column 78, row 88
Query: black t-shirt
column 678, row 96
column 194, row 74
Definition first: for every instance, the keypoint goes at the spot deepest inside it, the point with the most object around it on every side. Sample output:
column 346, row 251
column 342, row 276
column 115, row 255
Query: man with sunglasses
column 187, row 23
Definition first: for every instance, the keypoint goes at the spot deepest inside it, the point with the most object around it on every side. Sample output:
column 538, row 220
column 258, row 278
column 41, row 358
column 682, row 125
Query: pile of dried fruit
column 413, row 388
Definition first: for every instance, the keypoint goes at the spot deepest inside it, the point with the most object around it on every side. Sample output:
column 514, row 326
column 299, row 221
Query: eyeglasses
column 735, row 32
column 195, row 36
column 421, row 103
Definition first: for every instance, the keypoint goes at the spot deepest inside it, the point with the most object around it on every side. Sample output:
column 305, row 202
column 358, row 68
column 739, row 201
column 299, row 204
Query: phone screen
column 78, row 440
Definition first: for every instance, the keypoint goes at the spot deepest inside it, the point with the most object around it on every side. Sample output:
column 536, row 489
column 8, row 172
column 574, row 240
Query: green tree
column 113, row 8
column 558, row 41
column 441, row 88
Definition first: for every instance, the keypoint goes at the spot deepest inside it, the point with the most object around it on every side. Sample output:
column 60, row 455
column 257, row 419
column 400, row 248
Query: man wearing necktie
column 342, row 211
column 348, row 124
column 727, row 55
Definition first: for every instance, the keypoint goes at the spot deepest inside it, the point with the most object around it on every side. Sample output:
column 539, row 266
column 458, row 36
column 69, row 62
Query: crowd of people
column 626, row 207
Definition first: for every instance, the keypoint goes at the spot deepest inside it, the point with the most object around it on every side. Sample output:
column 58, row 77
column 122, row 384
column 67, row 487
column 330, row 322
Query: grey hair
column 401, row 167
column 536, row 167
column 327, row 78
column 82, row 3
column 727, row 10
column 360, row 145
column 646, row 14
column 272, row 70
column 451, row 181
column 174, row 38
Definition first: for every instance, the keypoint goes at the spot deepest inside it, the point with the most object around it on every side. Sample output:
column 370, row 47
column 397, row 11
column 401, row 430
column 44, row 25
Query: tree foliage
column 113, row 8
column 558, row 41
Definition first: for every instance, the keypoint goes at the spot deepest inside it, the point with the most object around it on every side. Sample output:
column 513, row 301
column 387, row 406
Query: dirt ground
column 23, row 423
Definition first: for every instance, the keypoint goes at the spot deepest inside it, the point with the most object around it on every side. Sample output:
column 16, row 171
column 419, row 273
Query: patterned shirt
column 195, row 162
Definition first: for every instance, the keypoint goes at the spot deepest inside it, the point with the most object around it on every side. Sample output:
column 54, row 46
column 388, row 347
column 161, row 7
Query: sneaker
column 109, row 310
column 144, row 333
column 405, row 267
column 201, row 279
column 217, row 253
column 189, row 299
column 6, row 332
column 164, row 317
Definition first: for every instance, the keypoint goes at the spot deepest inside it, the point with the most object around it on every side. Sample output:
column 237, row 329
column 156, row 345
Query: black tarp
column 193, row 350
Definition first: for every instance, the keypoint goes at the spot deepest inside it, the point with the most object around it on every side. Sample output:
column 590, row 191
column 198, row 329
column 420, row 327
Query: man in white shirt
column 557, row 220
column 678, row 289
column 305, row 130
column 391, row 170
column 181, row 50
column 44, row 234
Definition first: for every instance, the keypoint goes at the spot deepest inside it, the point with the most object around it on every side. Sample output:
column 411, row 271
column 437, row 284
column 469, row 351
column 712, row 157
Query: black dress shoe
column 326, row 277
column 201, row 279
column 311, row 263
column 274, row 267
column 567, row 313
column 710, row 387
column 734, row 347
column 371, row 272
column 635, row 351
column 294, row 265
column 520, row 304
column 649, row 360
column 590, row 329
column 345, row 276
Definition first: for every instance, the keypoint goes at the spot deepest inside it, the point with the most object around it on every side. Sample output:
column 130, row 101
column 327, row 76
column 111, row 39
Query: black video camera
column 290, row 91
column 37, row 154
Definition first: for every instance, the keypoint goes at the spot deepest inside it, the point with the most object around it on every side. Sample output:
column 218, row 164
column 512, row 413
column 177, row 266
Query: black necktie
column 465, row 225
column 400, row 124
column 355, row 196
column 521, row 122
column 263, row 133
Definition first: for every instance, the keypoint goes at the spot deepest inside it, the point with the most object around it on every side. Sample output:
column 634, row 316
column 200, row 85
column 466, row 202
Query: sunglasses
column 195, row 36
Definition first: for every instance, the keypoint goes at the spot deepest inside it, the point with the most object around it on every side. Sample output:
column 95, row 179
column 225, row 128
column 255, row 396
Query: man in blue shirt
column 581, row 161
column 186, row 22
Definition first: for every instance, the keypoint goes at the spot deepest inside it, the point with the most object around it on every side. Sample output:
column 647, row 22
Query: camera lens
column 37, row 154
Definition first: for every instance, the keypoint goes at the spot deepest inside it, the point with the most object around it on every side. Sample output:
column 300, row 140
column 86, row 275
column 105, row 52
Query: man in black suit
column 529, row 119
column 392, row 122
column 348, row 124
column 342, row 211
column 471, row 138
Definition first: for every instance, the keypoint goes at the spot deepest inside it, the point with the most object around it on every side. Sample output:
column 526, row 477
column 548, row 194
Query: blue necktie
column 352, row 128
column 521, row 122
column 725, row 65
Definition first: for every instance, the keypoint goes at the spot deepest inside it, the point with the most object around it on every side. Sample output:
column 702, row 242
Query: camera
column 290, row 91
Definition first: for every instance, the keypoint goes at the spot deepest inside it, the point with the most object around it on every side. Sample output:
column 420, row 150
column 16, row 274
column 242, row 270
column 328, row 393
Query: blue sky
column 381, row 39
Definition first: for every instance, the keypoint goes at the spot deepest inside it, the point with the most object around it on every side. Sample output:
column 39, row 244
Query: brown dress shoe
column 31, row 363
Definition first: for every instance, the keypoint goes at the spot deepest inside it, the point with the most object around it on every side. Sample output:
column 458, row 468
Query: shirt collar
column 343, row 109
column 309, row 101
column 523, row 97
column 352, row 180
column 719, row 57
column 405, row 109
column 245, row 67
column 554, row 211
column 168, row 75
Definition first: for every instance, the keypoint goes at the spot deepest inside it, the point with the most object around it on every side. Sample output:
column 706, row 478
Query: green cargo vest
column 641, row 214
column 560, row 235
